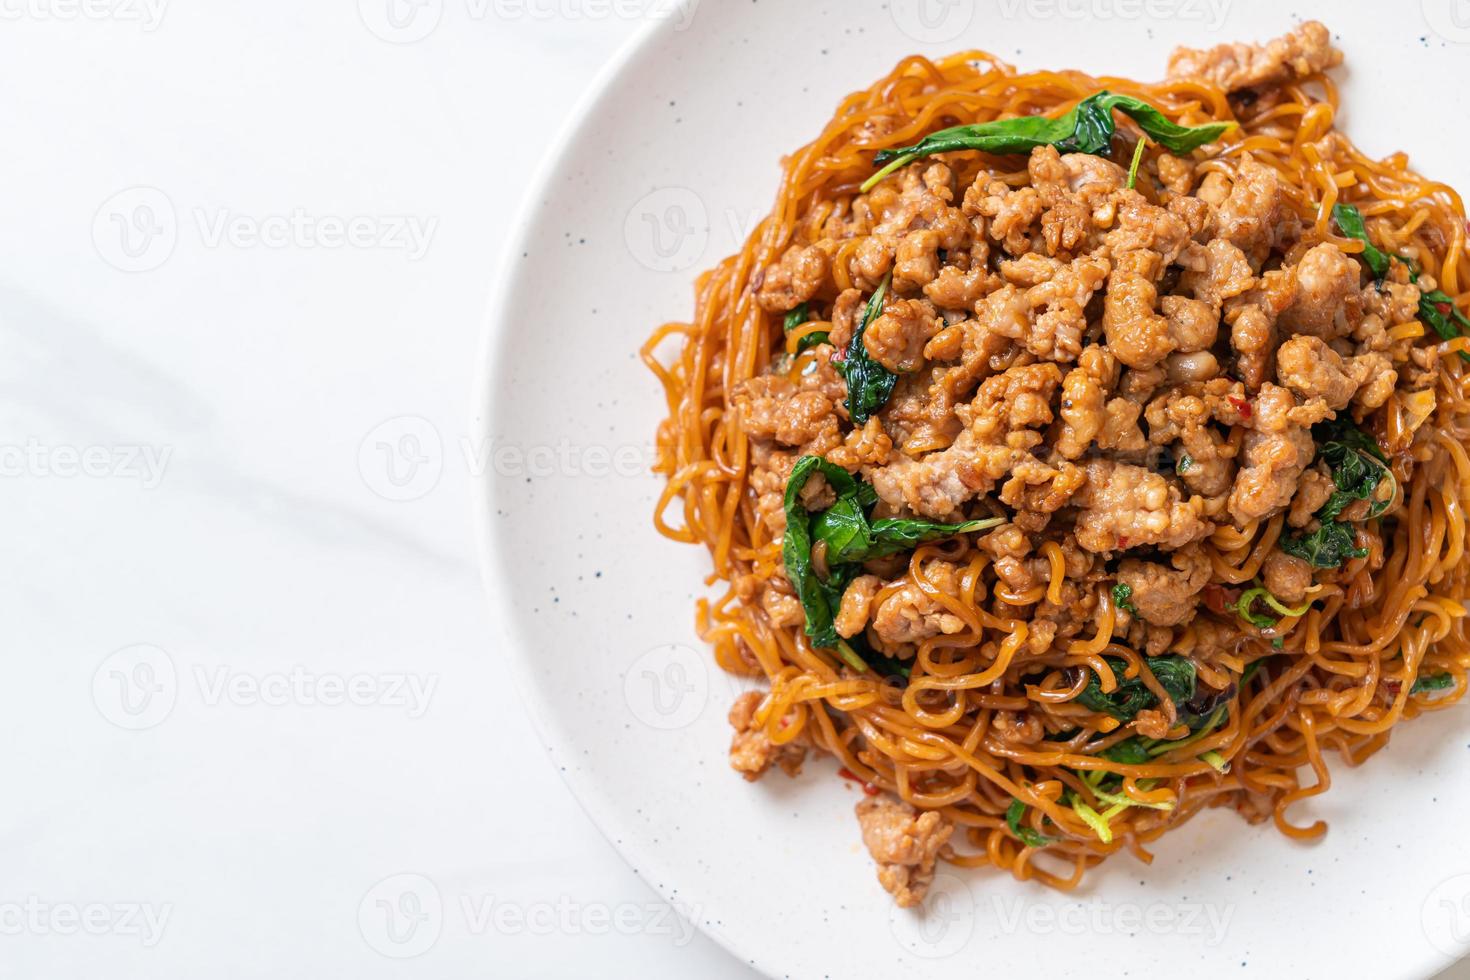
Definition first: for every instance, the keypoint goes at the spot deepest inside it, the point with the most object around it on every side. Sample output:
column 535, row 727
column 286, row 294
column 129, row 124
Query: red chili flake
column 1218, row 598
column 1392, row 687
column 1444, row 308
column 868, row 788
column 1122, row 541
column 1242, row 406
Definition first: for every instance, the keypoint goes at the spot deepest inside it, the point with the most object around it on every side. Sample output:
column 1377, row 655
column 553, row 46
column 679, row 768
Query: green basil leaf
column 1080, row 131
column 1175, row 674
column 1160, row 128
column 1350, row 221
column 869, row 384
column 844, row 526
column 1327, row 547
column 795, row 318
column 881, row 663
column 850, row 539
column 1356, row 476
column 1132, row 751
column 1014, row 813
column 891, row 535
column 1439, row 311
column 1358, row 467
column 1202, row 713
column 1432, row 682
column 1436, row 308
column 1344, row 431
column 819, row 599
column 1087, row 128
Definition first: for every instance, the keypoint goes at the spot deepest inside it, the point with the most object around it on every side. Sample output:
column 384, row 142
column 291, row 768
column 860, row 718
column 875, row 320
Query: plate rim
column 487, row 494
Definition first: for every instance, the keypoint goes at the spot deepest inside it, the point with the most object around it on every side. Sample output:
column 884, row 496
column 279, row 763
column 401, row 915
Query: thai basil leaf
column 1438, row 309
column 1174, row 674
column 795, row 318
column 869, row 384
column 810, row 340
column 1202, row 713
column 1027, row 836
column 1132, row 751
column 892, row 535
column 1356, row 476
column 1159, row 127
column 850, row 539
column 1358, row 467
column 1344, row 431
column 1327, row 547
column 1350, row 220
column 1087, row 128
column 1199, row 728
column 1432, row 682
column 844, row 526
column 819, row 599
column 881, row 663
column 858, row 653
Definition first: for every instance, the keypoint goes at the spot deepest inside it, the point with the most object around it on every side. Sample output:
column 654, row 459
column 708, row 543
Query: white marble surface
column 231, row 516
column 246, row 680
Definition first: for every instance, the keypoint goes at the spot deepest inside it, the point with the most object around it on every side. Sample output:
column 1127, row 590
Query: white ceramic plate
column 663, row 171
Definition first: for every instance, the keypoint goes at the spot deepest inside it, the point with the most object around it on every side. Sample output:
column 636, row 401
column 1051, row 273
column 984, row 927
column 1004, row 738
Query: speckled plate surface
column 668, row 165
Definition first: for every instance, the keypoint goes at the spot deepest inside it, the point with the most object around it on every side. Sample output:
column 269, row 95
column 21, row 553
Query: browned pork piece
column 905, row 844
column 751, row 750
column 1304, row 51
